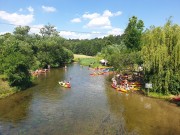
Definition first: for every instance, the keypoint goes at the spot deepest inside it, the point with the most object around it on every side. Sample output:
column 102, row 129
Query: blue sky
column 85, row 18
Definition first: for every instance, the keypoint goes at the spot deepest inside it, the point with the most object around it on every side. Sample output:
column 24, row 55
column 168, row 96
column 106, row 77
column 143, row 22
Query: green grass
column 88, row 61
column 5, row 89
column 85, row 60
column 77, row 57
column 158, row 95
column 93, row 62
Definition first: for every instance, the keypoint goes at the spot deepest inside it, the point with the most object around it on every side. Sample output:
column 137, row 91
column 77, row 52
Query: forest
column 157, row 49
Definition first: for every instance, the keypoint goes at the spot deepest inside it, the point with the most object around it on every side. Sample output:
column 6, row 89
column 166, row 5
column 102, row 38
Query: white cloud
column 76, row 20
column 16, row 19
column 90, row 35
column 30, row 9
column 115, row 31
column 77, row 35
column 101, row 21
column 107, row 13
column 118, row 13
column 4, row 32
column 91, row 16
column 74, row 35
column 48, row 9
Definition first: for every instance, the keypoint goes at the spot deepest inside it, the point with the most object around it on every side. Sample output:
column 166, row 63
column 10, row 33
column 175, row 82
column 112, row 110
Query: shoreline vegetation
column 84, row 60
column 5, row 89
column 87, row 60
column 153, row 53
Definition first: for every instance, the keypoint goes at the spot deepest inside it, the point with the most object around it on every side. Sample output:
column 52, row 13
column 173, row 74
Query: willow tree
column 161, row 57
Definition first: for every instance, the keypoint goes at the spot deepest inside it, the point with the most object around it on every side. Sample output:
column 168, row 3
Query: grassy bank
column 158, row 95
column 168, row 98
column 77, row 57
column 162, row 96
column 88, row 60
column 5, row 89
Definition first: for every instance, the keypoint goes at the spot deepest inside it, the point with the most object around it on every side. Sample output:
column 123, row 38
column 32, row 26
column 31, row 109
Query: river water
column 90, row 107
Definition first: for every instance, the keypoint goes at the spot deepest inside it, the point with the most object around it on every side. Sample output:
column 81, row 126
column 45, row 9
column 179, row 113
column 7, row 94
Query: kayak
column 135, row 84
column 135, row 88
column 93, row 74
column 121, row 89
column 176, row 99
column 66, row 85
column 113, row 86
column 99, row 73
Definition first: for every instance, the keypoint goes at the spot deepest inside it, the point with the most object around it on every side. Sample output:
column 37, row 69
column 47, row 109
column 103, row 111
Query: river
column 90, row 107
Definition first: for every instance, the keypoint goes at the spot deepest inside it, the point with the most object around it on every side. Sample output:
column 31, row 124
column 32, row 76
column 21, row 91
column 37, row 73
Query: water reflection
column 16, row 108
column 90, row 107
column 144, row 115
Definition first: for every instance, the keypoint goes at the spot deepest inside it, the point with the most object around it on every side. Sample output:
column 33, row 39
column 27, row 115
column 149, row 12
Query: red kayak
column 176, row 99
column 113, row 86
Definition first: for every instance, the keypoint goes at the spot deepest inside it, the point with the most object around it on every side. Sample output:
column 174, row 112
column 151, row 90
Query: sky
column 85, row 19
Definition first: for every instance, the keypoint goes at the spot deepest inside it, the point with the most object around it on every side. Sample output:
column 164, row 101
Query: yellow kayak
column 66, row 85
column 121, row 89
column 135, row 89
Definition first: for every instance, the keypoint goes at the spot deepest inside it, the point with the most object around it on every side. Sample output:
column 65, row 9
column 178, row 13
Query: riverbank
column 168, row 98
column 5, row 89
column 90, row 106
column 85, row 60
column 90, row 61
column 125, row 82
column 77, row 57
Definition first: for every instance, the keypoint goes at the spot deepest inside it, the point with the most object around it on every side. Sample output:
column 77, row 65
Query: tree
column 48, row 31
column 17, row 70
column 21, row 32
column 161, row 57
column 21, row 52
column 132, row 34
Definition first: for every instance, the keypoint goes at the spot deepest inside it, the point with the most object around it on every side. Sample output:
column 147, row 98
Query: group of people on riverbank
column 125, row 82
column 40, row 71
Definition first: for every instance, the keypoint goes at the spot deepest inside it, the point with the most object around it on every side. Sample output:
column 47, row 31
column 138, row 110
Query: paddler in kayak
column 68, row 84
column 126, row 85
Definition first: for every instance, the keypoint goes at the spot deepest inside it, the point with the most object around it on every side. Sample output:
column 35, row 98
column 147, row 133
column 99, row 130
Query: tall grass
column 77, row 57
column 88, row 61
column 5, row 89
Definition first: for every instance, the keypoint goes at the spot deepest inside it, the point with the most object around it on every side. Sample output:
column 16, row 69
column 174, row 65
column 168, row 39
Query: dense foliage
column 161, row 57
column 126, row 52
column 21, row 52
column 157, row 49
column 91, row 47
column 132, row 34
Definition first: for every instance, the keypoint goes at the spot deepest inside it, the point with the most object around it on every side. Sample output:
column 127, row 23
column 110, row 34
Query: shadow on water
column 90, row 107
